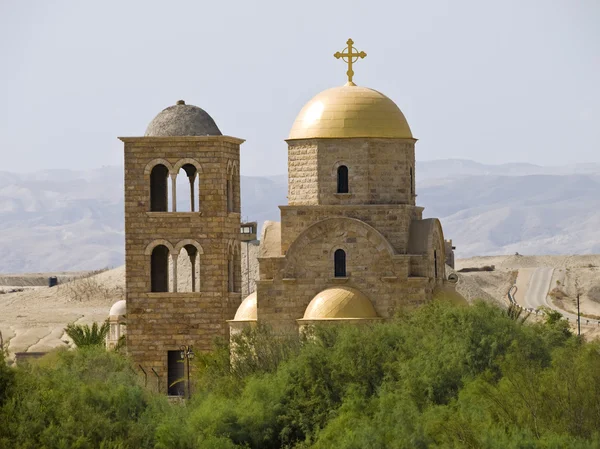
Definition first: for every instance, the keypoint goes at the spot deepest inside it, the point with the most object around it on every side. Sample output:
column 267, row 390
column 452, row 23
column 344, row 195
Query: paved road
column 537, row 290
column 533, row 286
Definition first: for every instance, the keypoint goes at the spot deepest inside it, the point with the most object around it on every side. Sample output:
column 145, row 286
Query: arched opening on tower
column 229, row 195
column 412, row 182
column 187, row 186
column 231, row 274
column 342, row 179
column 339, row 261
column 159, row 191
column 188, row 270
column 235, row 188
column 159, row 269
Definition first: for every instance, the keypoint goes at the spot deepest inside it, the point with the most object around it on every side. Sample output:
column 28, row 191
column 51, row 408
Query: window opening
column 340, row 263
column 231, row 275
column 187, row 185
column 188, row 270
column 158, row 188
column 159, row 269
column 342, row 179
column 229, row 196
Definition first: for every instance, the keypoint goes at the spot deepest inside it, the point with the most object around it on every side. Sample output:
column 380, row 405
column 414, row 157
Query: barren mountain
column 59, row 220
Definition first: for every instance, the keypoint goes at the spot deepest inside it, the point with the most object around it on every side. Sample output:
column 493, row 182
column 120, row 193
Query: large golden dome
column 350, row 111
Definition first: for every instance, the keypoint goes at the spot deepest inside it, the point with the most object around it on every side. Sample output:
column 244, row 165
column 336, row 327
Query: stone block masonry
column 163, row 320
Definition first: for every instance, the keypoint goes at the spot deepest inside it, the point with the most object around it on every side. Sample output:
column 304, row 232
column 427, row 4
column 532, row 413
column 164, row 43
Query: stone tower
column 182, row 255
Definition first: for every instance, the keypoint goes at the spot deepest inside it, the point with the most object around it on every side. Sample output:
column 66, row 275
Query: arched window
column 342, row 179
column 159, row 269
column 158, row 188
column 188, row 270
column 231, row 275
column 412, row 183
column 187, row 185
column 229, row 196
column 235, row 190
column 339, row 260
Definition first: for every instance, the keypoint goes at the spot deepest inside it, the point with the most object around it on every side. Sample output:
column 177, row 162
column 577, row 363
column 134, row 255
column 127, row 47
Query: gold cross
column 350, row 58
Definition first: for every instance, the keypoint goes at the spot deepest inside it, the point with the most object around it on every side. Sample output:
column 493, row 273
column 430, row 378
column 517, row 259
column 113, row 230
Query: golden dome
column 247, row 309
column 350, row 111
column 339, row 303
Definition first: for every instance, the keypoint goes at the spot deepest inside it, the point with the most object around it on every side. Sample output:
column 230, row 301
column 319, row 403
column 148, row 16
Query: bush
column 77, row 399
column 439, row 377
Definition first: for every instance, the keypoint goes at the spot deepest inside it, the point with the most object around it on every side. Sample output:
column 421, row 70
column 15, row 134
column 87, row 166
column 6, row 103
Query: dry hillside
column 34, row 319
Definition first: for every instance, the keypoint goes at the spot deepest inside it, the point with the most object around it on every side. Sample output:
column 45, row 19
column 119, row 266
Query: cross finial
column 350, row 57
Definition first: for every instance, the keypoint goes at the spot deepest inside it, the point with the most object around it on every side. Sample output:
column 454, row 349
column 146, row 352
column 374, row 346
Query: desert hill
column 57, row 220
column 34, row 319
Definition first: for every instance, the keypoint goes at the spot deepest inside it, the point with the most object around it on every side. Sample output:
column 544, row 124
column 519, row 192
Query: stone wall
column 249, row 266
column 379, row 171
column 158, row 322
column 303, row 185
column 288, row 284
column 393, row 221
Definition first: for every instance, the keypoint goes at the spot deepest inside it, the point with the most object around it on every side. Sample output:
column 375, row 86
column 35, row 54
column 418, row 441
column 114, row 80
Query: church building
column 351, row 246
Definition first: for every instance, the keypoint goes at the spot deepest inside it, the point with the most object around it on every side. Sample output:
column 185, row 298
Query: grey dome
column 182, row 120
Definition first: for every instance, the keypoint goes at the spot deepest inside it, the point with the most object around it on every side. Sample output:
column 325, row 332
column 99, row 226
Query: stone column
column 174, row 259
column 174, row 192
column 193, row 263
column 192, row 180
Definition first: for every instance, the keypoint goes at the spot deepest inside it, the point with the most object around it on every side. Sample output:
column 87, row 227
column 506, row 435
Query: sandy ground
column 572, row 275
column 34, row 319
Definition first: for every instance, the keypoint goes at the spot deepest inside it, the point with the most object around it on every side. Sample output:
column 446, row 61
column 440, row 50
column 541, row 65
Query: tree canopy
column 442, row 376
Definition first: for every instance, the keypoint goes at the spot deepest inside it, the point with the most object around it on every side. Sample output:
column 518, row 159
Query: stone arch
column 154, row 243
column 337, row 164
column 230, row 166
column 159, row 269
column 232, row 187
column 426, row 238
column 182, row 243
column 437, row 246
column 343, row 225
column 150, row 165
column 187, row 266
column 322, row 226
column 187, row 184
column 188, row 160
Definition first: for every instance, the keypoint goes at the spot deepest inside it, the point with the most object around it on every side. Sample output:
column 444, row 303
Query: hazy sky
column 501, row 81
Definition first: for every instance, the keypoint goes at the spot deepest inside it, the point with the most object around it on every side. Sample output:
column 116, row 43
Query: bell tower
column 182, row 238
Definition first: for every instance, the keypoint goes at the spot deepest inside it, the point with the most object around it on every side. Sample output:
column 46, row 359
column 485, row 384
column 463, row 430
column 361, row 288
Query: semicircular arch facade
column 154, row 162
column 154, row 243
column 181, row 162
column 359, row 239
column 179, row 246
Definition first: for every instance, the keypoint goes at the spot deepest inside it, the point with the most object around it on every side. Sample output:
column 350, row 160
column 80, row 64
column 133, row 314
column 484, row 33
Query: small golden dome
column 247, row 309
column 350, row 111
column 339, row 303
